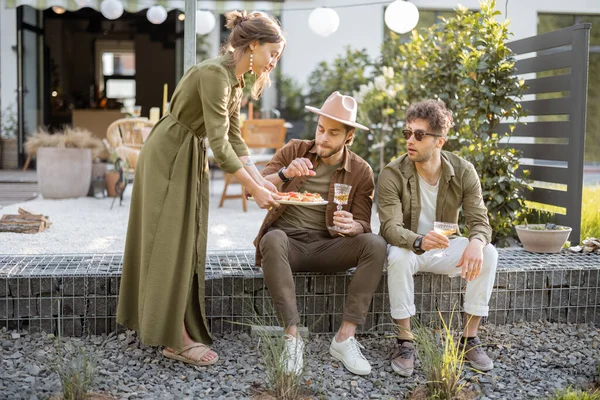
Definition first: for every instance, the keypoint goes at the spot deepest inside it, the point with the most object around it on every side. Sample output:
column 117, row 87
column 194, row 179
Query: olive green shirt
column 399, row 202
column 215, row 86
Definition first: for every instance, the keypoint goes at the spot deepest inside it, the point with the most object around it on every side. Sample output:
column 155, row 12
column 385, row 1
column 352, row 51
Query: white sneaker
column 348, row 352
column 292, row 356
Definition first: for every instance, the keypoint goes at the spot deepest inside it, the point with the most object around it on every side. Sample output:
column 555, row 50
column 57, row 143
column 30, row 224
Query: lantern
column 401, row 16
column 323, row 21
column 111, row 9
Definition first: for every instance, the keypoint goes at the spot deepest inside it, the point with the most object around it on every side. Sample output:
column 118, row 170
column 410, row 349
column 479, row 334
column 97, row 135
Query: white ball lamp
column 205, row 22
column 323, row 21
column 401, row 16
column 111, row 9
column 156, row 14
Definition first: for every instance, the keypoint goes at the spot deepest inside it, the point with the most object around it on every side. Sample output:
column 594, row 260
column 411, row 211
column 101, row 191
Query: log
column 13, row 217
column 24, row 222
column 36, row 227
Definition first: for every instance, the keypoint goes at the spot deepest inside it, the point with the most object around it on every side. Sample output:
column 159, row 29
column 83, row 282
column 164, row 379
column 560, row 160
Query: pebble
column 531, row 360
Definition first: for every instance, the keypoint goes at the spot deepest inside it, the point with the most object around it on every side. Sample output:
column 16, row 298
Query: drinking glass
column 446, row 229
column 340, row 197
column 137, row 111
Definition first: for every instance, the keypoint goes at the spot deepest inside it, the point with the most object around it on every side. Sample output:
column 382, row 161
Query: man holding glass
column 329, row 238
column 420, row 196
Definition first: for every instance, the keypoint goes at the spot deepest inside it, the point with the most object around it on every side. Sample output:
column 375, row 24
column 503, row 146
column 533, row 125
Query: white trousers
column 403, row 264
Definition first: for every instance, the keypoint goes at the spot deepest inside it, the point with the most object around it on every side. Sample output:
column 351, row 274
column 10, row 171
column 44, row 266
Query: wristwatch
column 417, row 244
column 282, row 176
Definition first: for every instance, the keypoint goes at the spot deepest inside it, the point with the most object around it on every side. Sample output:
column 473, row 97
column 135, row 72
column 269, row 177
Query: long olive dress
column 163, row 266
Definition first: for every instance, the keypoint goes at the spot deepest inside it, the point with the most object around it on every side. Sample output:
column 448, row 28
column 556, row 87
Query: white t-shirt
column 428, row 194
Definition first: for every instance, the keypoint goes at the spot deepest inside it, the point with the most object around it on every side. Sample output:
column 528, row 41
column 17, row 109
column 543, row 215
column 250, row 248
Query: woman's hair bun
column 234, row 18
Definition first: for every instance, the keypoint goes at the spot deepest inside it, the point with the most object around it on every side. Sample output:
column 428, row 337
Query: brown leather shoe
column 403, row 360
column 476, row 356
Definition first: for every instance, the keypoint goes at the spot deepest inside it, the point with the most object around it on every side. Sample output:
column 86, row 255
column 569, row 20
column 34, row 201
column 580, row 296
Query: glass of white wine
column 341, row 193
column 446, row 229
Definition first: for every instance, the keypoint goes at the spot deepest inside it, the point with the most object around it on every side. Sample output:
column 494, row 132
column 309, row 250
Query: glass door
column 30, row 63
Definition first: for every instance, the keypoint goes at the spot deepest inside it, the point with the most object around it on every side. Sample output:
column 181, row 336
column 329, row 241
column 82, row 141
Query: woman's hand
column 264, row 198
column 267, row 185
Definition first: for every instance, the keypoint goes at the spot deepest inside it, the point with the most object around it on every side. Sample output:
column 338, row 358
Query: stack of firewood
column 24, row 222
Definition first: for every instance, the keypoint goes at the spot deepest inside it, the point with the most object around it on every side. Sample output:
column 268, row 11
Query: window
column 116, row 71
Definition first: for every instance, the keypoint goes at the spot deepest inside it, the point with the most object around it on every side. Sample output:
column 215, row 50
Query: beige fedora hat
column 339, row 108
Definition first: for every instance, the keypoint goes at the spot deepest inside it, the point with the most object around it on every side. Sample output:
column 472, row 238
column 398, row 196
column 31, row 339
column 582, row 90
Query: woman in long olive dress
column 162, row 286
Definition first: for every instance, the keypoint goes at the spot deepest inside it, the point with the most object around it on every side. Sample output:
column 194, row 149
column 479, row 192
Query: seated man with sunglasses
column 424, row 186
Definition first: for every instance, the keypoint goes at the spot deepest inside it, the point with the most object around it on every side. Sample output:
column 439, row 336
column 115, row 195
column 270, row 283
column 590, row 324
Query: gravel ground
column 533, row 360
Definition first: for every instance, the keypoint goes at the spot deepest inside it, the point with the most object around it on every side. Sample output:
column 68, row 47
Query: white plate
column 298, row 203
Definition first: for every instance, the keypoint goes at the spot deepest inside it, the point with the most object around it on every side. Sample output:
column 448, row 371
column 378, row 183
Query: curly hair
column 434, row 112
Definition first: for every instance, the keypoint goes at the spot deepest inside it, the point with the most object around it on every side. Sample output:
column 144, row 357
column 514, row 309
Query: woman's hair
column 248, row 28
column 434, row 112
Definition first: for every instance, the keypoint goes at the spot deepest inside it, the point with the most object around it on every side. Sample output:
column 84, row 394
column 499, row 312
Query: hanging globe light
column 156, row 14
column 205, row 22
column 401, row 16
column 111, row 9
column 323, row 21
column 58, row 10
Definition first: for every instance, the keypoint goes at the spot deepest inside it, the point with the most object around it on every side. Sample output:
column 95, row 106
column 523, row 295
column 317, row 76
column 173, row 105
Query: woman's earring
column 251, row 57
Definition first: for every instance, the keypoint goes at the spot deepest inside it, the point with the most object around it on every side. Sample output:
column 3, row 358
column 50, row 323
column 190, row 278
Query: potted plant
column 64, row 161
column 543, row 238
column 8, row 138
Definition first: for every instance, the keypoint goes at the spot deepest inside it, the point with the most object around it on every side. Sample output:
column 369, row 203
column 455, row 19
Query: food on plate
column 305, row 197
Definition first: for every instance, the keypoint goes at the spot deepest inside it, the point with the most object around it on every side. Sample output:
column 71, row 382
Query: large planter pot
column 64, row 173
column 10, row 154
column 537, row 239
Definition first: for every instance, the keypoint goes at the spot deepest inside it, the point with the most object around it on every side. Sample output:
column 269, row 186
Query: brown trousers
column 285, row 252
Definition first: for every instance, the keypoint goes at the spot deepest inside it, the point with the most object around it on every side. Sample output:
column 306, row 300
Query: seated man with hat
column 318, row 238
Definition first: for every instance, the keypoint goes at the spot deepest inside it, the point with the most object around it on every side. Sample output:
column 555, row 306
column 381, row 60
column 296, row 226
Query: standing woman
column 162, row 286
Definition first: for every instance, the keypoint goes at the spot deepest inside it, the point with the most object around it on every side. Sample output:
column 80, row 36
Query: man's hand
column 434, row 240
column 299, row 167
column 348, row 226
column 472, row 260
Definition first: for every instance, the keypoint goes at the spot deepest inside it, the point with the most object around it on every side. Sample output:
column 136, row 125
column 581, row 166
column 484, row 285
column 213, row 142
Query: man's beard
column 420, row 157
column 328, row 152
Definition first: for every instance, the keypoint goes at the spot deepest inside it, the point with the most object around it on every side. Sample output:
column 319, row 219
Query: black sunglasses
column 419, row 134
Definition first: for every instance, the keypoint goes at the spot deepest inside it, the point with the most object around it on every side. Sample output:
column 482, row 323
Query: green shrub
column 463, row 61
column 572, row 394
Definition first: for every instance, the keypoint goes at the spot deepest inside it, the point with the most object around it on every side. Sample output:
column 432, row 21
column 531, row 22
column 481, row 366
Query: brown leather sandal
column 178, row 355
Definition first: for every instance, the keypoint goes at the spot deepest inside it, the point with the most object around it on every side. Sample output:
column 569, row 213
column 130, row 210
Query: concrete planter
column 539, row 240
column 64, row 173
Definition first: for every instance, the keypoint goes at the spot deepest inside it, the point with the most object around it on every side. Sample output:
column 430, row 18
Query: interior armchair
column 264, row 137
